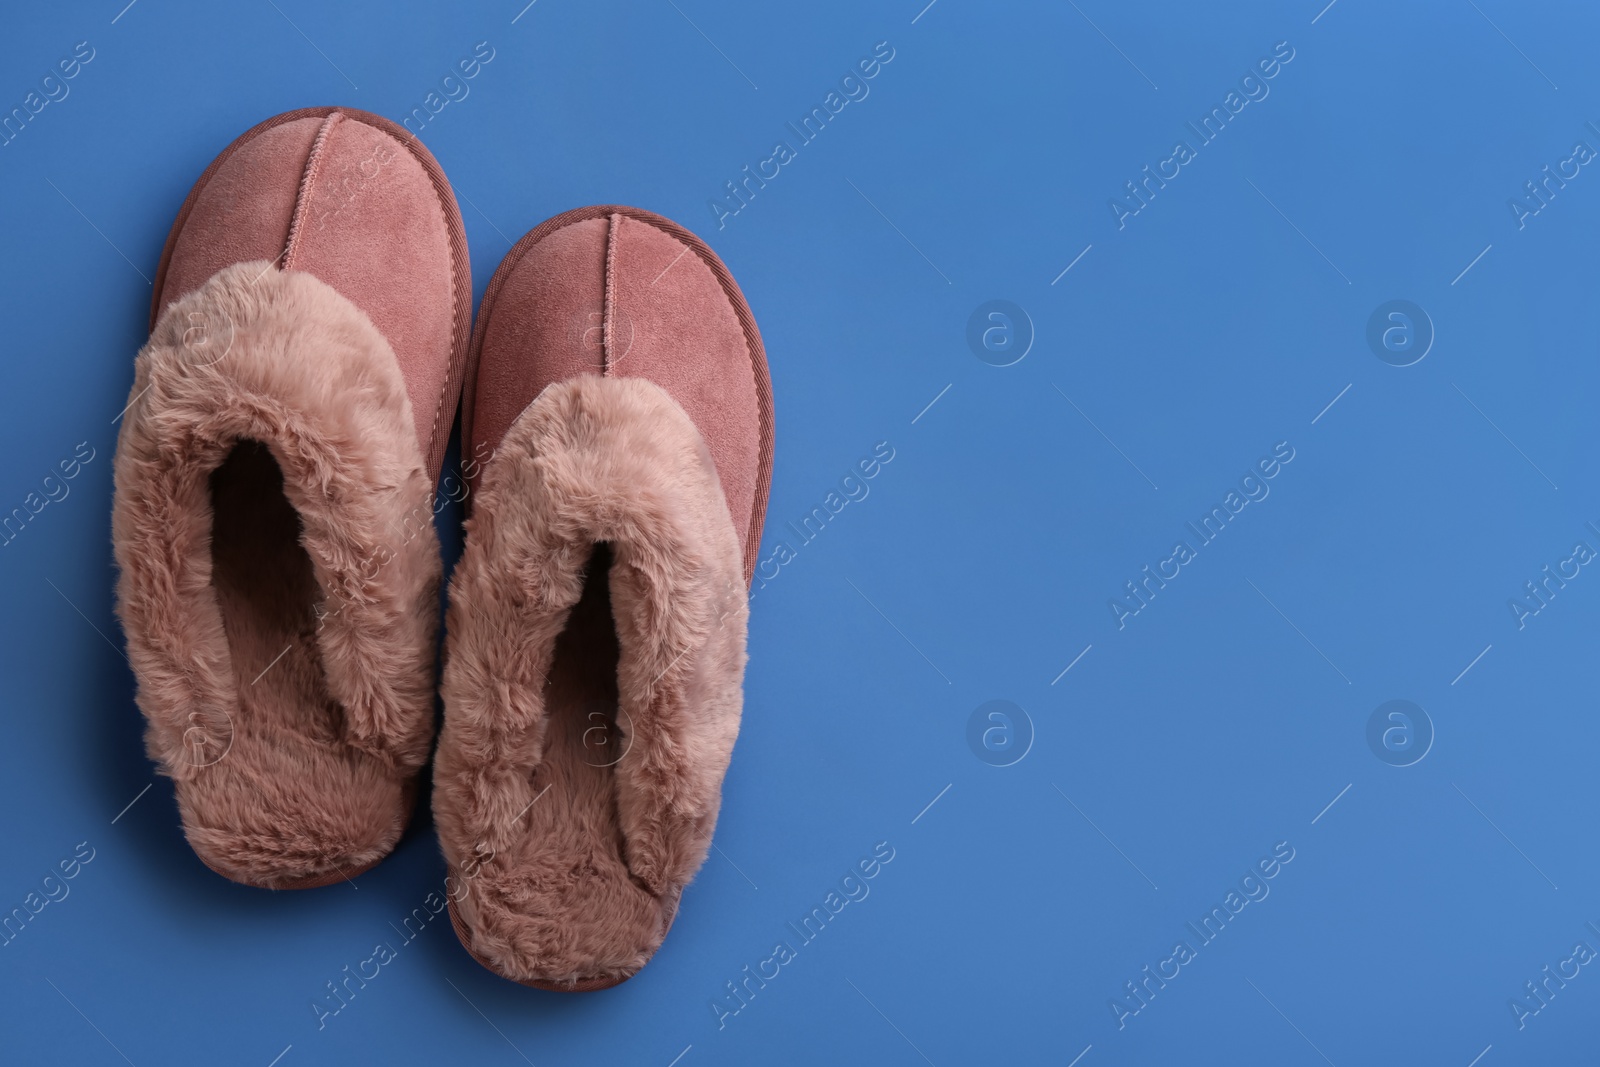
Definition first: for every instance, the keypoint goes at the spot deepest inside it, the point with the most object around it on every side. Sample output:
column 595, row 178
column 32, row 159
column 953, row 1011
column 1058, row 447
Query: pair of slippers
column 310, row 343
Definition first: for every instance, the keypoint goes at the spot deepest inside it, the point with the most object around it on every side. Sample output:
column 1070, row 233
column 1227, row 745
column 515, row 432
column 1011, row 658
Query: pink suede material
column 624, row 293
column 245, row 210
column 371, row 226
column 356, row 201
column 671, row 324
column 547, row 326
column 273, row 510
column 621, row 418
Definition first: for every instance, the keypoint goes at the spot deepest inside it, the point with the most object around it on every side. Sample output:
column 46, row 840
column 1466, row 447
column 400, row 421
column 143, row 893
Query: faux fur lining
column 593, row 460
column 280, row 358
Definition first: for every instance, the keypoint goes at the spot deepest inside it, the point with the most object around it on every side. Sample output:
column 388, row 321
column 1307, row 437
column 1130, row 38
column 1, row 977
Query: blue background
column 1178, row 750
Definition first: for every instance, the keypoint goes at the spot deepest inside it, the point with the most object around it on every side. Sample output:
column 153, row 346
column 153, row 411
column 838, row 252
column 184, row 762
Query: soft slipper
column 620, row 424
column 274, row 493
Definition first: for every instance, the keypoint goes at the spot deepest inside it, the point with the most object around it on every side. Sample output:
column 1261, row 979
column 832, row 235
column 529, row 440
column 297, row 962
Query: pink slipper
column 621, row 412
column 274, row 493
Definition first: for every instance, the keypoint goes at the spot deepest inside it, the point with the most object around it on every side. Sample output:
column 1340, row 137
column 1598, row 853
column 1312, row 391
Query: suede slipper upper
column 274, row 493
column 621, row 424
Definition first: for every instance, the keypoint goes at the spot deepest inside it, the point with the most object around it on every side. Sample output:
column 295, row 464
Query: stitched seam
column 450, row 371
column 610, row 298
column 199, row 187
column 303, row 197
column 460, row 362
column 747, row 323
column 730, row 291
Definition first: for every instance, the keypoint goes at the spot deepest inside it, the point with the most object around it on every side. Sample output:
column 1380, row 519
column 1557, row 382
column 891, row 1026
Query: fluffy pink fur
column 321, row 742
column 567, row 873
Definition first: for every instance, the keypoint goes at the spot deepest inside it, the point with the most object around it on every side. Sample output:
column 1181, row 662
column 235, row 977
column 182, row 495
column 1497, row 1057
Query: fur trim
column 279, row 358
column 545, row 894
